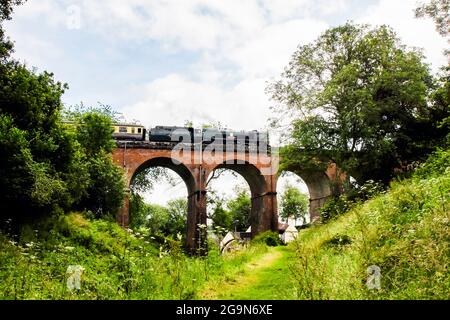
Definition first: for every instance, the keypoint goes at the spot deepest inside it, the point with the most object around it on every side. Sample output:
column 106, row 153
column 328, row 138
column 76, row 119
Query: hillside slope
column 404, row 232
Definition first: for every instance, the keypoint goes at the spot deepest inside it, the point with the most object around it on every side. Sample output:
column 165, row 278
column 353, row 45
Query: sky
column 163, row 62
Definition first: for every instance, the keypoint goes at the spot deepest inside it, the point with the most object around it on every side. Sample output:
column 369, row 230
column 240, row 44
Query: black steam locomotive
column 133, row 132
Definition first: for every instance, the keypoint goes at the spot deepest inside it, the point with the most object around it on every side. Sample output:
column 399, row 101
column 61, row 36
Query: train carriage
column 127, row 131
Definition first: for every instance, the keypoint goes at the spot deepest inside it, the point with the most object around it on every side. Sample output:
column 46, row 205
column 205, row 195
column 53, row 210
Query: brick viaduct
column 194, row 166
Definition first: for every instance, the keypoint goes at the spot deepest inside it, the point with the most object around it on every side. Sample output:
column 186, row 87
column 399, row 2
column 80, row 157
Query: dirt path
column 241, row 284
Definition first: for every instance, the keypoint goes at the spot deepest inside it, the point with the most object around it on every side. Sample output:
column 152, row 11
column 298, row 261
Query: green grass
column 118, row 264
column 266, row 277
column 405, row 232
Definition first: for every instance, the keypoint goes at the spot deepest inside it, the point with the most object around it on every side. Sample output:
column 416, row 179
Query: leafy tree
column 177, row 210
column 294, row 204
column 37, row 172
column 222, row 217
column 240, row 209
column 106, row 191
column 358, row 98
column 6, row 9
column 44, row 166
column 105, row 188
column 158, row 219
column 94, row 133
column 151, row 216
column 439, row 11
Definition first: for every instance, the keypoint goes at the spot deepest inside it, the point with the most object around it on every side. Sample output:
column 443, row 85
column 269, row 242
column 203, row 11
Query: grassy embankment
column 117, row 264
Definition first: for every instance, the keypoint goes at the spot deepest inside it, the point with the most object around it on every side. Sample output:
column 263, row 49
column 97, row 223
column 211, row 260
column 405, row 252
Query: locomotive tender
column 135, row 132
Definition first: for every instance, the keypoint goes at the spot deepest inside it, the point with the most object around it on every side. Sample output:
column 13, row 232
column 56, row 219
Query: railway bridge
column 195, row 163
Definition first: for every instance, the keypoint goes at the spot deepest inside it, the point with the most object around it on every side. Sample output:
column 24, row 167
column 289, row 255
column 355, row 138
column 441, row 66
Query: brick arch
column 319, row 188
column 262, row 216
column 184, row 172
column 194, row 166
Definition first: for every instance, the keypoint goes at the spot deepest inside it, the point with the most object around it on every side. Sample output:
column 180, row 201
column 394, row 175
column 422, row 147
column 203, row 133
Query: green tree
column 46, row 167
column 360, row 99
column 106, row 189
column 222, row 217
column 94, row 133
column 39, row 159
column 6, row 9
column 439, row 11
column 294, row 204
column 240, row 209
column 154, row 217
column 177, row 210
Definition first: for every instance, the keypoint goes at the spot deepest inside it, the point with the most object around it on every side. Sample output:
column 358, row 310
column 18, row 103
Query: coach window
column 123, row 129
column 139, row 130
column 132, row 130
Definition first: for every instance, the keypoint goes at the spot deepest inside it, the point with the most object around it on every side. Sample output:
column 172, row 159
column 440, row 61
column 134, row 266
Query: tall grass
column 405, row 232
column 118, row 264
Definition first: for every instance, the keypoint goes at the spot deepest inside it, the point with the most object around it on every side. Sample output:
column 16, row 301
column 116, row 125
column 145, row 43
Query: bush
column 437, row 164
column 338, row 241
column 339, row 205
column 270, row 238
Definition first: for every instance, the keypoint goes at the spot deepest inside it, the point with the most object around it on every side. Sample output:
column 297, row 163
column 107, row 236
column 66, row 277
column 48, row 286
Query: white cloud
column 173, row 99
column 266, row 54
column 327, row 7
column 413, row 32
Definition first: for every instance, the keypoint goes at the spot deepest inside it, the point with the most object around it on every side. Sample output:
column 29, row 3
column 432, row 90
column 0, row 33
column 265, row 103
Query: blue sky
column 167, row 61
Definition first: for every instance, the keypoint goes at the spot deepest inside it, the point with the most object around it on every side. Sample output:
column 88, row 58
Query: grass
column 262, row 278
column 405, row 232
column 117, row 264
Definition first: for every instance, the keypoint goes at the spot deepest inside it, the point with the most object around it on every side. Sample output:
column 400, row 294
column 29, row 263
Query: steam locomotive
column 135, row 132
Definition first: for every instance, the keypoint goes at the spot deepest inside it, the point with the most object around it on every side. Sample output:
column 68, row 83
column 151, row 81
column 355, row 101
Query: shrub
column 270, row 238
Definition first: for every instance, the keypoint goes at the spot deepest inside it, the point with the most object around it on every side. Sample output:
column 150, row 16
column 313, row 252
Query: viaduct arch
column 194, row 165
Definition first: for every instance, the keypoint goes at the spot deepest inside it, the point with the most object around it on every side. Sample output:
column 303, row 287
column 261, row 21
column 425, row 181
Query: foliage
column 404, row 232
column 106, row 191
column 294, row 204
column 118, row 264
column 46, row 165
column 159, row 221
column 269, row 238
column 177, row 211
column 222, row 218
column 340, row 204
column 439, row 11
column 6, row 9
column 338, row 241
column 240, row 209
column 36, row 167
column 437, row 164
column 359, row 98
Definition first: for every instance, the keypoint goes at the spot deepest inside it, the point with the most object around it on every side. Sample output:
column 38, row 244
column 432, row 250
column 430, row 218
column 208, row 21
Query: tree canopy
column 294, row 204
column 46, row 165
column 439, row 11
column 358, row 97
